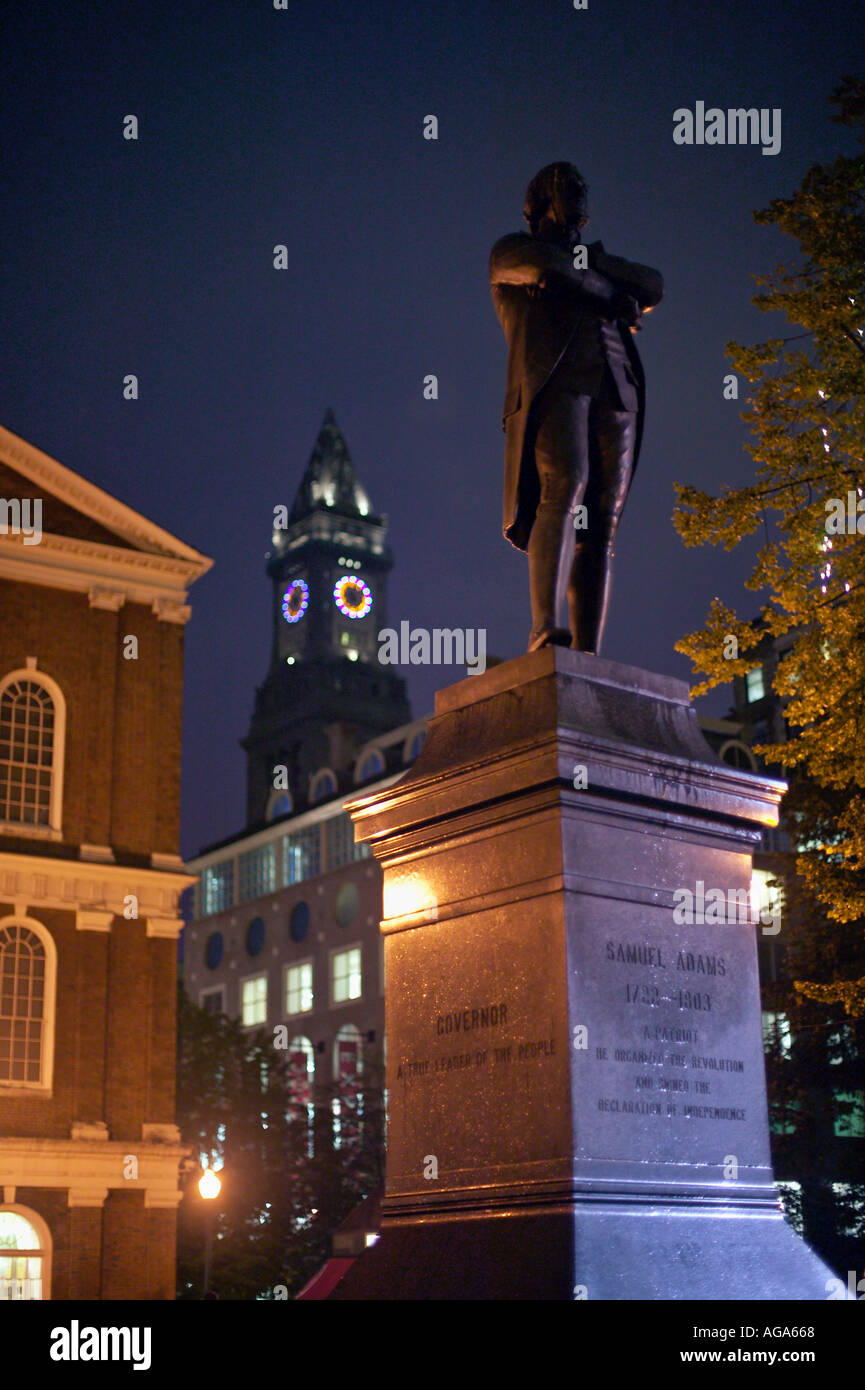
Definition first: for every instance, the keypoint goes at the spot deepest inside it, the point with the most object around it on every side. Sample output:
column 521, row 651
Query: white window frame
column 245, row 980
column 46, row 1247
column 342, row 951
column 42, row 1087
column 755, row 699
column 298, row 965
column 53, row 830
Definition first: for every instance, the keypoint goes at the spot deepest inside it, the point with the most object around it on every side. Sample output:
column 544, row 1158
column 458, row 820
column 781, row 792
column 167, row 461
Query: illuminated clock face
column 352, row 596
column 295, row 601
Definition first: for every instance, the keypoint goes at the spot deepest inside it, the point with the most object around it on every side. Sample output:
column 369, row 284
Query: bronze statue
column 574, row 403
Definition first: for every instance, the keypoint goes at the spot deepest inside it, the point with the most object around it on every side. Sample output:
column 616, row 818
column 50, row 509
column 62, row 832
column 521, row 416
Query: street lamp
column 209, row 1187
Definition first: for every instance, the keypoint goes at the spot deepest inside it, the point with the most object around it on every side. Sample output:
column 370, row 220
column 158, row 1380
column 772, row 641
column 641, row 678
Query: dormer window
column 323, row 785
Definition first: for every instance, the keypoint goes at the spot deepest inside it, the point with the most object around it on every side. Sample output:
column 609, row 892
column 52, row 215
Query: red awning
column 321, row 1284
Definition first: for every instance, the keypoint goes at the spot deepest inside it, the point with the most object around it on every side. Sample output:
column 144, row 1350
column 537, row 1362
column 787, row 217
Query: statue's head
column 558, row 193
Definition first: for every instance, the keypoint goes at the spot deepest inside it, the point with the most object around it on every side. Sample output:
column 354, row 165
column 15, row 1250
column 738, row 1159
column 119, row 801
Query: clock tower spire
column 325, row 694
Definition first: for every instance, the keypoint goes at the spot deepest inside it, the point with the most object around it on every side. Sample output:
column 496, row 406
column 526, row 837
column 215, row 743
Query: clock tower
column 325, row 694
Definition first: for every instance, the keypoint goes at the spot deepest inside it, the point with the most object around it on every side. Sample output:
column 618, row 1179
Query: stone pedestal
column 577, row 1098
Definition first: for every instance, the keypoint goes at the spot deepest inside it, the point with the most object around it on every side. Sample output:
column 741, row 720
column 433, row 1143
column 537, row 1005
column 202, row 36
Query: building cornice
column 75, row 491
column 108, row 575
column 156, row 572
column 95, row 892
column 291, row 825
column 90, row 1168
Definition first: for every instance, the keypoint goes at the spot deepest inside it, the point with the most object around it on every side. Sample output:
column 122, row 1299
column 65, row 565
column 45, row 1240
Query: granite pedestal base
column 577, row 1099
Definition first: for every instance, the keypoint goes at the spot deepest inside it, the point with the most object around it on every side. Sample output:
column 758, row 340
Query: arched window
column 32, row 730
column 27, row 981
column 369, row 764
column 301, row 1061
column 347, row 1053
column 738, row 754
column 347, row 1104
column 413, row 745
column 25, row 1255
column 323, row 785
column 279, row 804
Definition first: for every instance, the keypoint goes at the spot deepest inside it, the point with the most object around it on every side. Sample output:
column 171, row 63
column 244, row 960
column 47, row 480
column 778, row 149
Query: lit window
column 767, row 900
column 754, row 686
column 27, row 964
column 341, row 847
column 850, row 1114
column 301, row 855
column 23, row 1257
column 776, row 1033
column 30, row 753
column 253, row 1001
column 298, row 988
column 257, row 872
column 346, row 975
column 217, row 888
column 841, row 1045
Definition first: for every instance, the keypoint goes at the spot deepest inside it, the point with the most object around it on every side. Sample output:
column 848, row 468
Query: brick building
column 92, row 610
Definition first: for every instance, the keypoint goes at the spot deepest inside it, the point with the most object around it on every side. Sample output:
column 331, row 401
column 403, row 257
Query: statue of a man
column 574, row 404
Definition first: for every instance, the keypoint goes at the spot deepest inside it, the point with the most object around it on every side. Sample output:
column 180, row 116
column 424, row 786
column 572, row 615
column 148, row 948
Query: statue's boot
column 553, row 637
column 550, row 549
column 589, row 594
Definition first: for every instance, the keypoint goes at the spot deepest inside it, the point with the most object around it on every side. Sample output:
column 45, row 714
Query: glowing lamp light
column 295, row 601
column 209, row 1184
column 352, row 596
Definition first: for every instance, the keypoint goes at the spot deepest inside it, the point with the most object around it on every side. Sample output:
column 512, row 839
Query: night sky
column 304, row 127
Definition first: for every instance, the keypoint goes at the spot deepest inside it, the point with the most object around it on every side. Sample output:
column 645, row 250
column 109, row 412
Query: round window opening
column 213, row 950
column 347, row 904
column 298, row 922
column 255, row 936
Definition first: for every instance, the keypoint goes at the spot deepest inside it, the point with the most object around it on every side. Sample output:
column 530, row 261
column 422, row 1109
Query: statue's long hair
column 544, row 189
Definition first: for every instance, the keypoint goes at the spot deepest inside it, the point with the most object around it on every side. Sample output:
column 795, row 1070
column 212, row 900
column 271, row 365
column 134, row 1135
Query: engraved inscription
column 458, row 1022
column 663, row 1069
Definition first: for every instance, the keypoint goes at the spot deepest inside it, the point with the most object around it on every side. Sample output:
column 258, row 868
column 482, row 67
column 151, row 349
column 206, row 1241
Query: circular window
column 255, row 936
column 295, row 601
column 213, row 950
column 352, row 596
column 298, row 922
column 347, row 904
